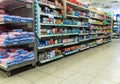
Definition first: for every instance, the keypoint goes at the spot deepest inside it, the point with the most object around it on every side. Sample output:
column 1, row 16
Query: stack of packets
column 13, row 56
column 16, row 36
column 14, row 18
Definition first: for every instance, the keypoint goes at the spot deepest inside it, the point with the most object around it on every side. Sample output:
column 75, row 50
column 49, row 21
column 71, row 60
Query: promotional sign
column 118, row 22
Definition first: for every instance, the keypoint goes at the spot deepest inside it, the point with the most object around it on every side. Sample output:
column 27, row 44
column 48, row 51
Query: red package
column 2, row 11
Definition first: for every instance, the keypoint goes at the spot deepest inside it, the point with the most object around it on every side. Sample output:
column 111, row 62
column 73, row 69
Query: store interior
column 59, row 41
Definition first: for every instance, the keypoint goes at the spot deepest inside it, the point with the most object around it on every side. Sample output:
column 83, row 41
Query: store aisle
column 100, row 65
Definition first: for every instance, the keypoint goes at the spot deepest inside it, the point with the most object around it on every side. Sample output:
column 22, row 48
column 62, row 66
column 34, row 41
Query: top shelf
column 77, row 6
column 12, row 5
column 51, row 6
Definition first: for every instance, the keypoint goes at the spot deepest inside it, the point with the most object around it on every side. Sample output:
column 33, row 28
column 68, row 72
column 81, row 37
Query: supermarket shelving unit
column 23, row 9
column 116, row 34
column 107, row 35
column 38, row 25
column 80, row 27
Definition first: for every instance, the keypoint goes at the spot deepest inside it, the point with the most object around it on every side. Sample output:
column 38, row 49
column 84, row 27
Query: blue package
column 7, row 18
column 16, row 18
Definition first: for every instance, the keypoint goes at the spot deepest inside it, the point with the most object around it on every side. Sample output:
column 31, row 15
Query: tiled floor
column 100, row 65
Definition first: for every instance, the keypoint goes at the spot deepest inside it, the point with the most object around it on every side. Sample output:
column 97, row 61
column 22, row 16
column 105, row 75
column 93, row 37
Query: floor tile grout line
column 70, row 76
column 99, row 73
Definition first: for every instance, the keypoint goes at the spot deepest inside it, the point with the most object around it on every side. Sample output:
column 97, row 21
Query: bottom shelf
column 74, row 49
column 71, row 52
column 84, row 48
column 100, row 43
column 15, row 66
column 107, row 41
column 48, row 60
column 93, row 46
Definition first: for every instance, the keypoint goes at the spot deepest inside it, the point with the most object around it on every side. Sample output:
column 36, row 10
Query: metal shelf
column 84, row 40
column 84, row 48
column 72, row 43
column 43, row 36
column 77, row 6
column 50, row 15
column 99, row 43
column 96, row 24
column 71, row 52
column 11, row 45
column 107, row 41
column 42, row 24
column 48, row 60
column 50, row 6
column 15, row 66
column 15, row 4
column 94, row 38
column 57, row 35
column 108, row 24
column 29, row 24
column 72, row 16
column 93, row 33
column 93, row 46
column 62, row 25
column 96, row 13
column 50, row 46
column 105, row 28
column 106, row 36
column 70, row 34
column 96, row 18
column 101, row 28
column 95, row 28
column 98, row 33
column 84, row 34
column 16, row 23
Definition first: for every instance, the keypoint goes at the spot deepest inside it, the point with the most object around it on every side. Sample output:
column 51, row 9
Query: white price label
column 52, row 6
column 51, row 16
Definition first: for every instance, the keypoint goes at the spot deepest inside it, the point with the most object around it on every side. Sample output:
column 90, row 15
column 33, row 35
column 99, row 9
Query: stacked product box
column 70, row 40
column 70, row 49
column 50, row 54
column 99, row 41
column 63, row 22
column 70, row 31
column 16, row 36
column 14, row 18
column 51, row 31
column 13, row 56
column 83, row 46
column 49, row 42
column 92, row 43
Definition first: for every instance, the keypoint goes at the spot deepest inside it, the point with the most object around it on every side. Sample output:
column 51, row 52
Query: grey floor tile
column 51, row 79
column 80, row 78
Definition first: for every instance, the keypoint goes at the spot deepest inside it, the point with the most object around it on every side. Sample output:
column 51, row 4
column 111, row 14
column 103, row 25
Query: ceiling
column 106, row 5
